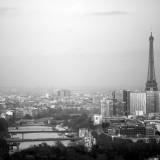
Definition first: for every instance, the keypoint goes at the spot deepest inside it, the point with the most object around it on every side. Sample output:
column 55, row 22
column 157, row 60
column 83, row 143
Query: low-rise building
column 97, row 119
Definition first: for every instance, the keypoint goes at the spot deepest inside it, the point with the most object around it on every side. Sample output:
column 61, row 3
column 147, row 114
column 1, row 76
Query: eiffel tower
column 151, row 84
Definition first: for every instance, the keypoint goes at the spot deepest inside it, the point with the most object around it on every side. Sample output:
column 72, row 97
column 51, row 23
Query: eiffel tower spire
column 151, row 84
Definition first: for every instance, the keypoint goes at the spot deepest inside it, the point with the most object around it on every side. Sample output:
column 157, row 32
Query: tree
column 80, row 122
column 105, row 125
column 27, row 116
column 4, row 149
column 3, row 128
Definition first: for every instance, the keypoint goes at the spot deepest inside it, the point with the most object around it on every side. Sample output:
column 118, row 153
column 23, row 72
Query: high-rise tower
column 151, row 84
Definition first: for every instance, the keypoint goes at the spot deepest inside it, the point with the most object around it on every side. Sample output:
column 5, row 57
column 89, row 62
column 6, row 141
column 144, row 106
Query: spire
column 151, row 78
column 151, row 37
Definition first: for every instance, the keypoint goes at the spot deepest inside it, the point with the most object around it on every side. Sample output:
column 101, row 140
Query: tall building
column 151, row 101
column 106, row 108
column 151, row 84
column 122, row 97
column 137, row 103
column 64, row 93
column 126, row 99
column 158, row 101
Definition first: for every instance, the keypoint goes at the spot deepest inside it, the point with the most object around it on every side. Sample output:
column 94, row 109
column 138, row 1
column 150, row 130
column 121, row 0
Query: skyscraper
column 151, row 84
column 152, row 101
column 106, row 108
column 121, row 98
column 137, row 103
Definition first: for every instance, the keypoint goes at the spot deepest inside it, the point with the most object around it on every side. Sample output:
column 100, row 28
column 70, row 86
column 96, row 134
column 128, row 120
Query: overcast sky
column 74, row 43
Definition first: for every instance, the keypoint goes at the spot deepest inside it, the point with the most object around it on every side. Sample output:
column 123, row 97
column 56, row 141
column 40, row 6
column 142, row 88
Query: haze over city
column 74, row 43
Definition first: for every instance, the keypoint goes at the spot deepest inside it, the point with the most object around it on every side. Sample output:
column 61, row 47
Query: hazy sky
column 69, row 43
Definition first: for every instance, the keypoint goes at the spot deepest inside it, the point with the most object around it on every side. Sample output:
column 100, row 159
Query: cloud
column 109, row 13
column 4, row 10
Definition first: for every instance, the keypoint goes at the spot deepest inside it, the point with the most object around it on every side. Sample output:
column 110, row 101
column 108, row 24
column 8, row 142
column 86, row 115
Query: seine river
column 24, row 145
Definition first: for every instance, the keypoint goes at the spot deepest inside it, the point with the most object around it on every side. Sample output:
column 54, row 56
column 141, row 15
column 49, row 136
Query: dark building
column 151, row 84
column 126, row 99
column 137, row 131
column 123, row 99
column 150, row 131
column 132, row 131
column 64, row 93
column 151, row 102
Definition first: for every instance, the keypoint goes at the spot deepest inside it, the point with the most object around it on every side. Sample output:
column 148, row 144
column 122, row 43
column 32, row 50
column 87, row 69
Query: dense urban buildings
column 119, row 114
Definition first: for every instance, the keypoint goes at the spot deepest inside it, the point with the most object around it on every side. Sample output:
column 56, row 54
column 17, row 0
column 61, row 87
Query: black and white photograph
column 79, row 80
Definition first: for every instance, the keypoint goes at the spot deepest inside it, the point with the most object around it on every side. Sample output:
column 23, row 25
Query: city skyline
column 78, row 43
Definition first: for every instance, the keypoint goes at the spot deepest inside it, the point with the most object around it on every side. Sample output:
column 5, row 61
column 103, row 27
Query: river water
column 24, row 145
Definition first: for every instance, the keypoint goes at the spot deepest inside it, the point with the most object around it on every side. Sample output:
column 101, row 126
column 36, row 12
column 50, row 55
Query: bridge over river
column 13, row 132
column 18, row 140
column 39, row 131
column 24, row 136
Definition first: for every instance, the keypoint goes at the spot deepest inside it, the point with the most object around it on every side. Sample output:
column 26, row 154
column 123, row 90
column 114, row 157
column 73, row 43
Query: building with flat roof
column 137, row 103
column 152, row 101
column 106, row 108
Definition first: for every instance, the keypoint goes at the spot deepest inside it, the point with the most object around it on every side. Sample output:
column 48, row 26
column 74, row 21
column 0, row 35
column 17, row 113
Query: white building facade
column 138, row 103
